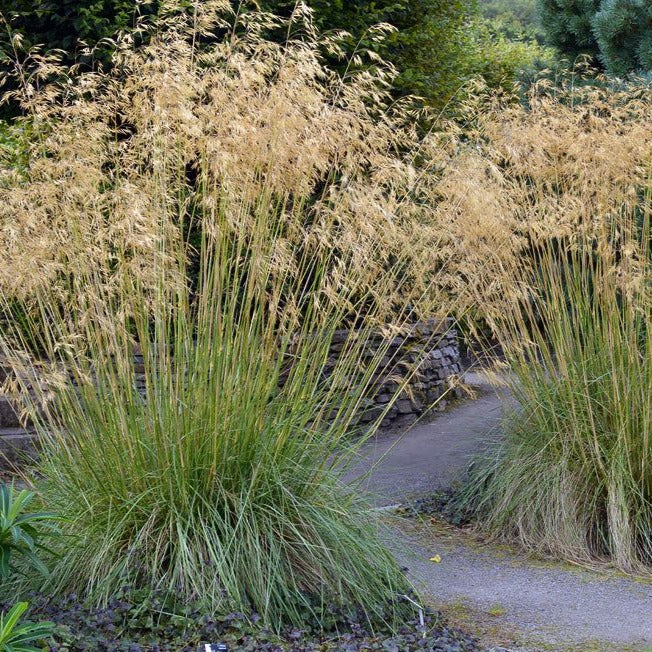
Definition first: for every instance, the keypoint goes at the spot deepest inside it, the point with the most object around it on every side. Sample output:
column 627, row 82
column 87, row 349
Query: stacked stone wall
column 427, row 354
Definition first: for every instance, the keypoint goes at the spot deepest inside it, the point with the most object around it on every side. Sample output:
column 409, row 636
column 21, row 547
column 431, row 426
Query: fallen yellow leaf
column 436, row 559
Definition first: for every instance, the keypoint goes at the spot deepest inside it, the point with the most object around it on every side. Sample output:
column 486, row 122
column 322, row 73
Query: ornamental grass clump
column 575, row 479
column 188, row 231
column 574, row 476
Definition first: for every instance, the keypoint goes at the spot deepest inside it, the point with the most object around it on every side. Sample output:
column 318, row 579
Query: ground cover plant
column 126, row 624
column 192, row 227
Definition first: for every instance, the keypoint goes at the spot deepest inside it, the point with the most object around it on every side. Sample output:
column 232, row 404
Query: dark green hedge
column 431, row 48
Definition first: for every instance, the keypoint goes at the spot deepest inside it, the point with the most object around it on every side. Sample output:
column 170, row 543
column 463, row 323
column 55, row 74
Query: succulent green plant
column 17, row 637
column 21, row 531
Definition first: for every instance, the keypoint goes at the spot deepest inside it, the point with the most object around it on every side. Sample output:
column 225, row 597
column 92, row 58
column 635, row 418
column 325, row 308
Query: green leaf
column 4, row 561
column 8, row 622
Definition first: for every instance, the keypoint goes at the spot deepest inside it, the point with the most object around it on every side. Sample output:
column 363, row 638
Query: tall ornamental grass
column 218, row 204
column 573, row 476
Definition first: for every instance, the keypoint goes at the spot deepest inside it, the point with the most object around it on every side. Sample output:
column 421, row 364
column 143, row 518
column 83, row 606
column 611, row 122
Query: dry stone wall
column 427, row 353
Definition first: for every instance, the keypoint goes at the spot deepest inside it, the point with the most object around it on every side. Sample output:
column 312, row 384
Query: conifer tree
column 623, row 31
column 568, row 25
column 617, row 33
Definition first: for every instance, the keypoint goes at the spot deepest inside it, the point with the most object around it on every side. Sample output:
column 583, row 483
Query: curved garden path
column 432, row 454
column 512, row 600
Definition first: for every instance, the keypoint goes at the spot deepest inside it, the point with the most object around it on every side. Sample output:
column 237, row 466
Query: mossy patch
column 491, row 629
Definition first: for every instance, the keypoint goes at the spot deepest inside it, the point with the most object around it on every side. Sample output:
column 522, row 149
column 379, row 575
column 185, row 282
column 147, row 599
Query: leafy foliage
column 515, row 19
column 136, row 622
column 16, row 637
column 429, row 48
column 437, row 45
column 64, row 24
column 14, row 144
column 502, row 60
column 20, row 532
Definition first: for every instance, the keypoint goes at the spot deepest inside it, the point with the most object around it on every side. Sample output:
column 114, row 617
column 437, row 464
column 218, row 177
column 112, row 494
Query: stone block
column 404, row 406
column 433, row 395
column 417, row 405
column 8, row 414
column 374, row 413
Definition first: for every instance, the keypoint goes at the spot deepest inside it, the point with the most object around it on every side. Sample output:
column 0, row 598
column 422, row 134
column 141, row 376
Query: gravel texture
column 543, row 602
column 546, row 605
column 433, row 453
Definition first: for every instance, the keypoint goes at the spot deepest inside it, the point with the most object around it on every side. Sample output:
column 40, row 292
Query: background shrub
column 429, row 47
column 438, row 46
column 516, row 19
column 501, row 61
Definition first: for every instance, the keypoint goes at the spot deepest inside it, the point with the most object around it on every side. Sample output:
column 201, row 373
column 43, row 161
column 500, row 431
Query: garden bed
column 133, row 623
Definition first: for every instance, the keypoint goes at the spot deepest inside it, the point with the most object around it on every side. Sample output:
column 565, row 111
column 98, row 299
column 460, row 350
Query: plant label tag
column 216, row 647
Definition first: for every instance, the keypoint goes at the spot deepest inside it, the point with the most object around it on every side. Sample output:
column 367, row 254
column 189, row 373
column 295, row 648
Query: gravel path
column 432, row 455
column 523, row 603
column 527, row 603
